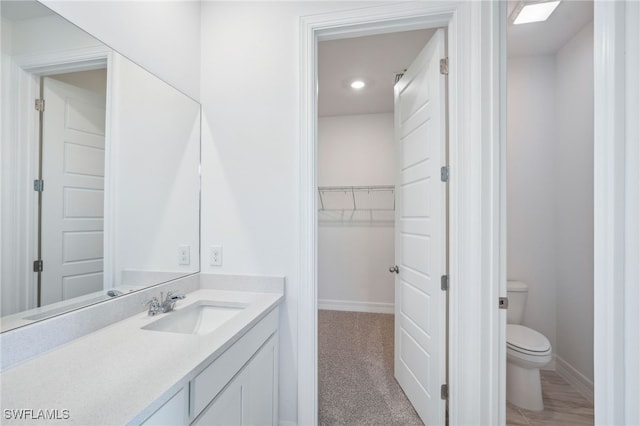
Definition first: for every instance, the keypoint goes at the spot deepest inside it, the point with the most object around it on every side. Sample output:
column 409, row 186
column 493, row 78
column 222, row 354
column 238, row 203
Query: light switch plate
column 184, row 255
column 215, row 255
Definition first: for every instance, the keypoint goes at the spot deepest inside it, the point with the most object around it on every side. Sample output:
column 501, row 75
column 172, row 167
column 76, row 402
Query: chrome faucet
column 170, row 302
column 163, row 305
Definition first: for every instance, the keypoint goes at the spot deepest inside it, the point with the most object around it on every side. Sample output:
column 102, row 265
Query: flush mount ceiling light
column 526, row 13
column 357, row 84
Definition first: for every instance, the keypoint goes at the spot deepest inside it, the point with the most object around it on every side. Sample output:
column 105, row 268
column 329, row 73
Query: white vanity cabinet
column 251, row 397
column 239, row 387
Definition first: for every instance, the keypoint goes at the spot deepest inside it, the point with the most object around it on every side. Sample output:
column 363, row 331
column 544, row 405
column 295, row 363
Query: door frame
column 477, row 160
column 27, row 71
column 616, row 212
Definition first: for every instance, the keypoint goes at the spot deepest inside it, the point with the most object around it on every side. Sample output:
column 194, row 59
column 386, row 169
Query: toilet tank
column 517, row 294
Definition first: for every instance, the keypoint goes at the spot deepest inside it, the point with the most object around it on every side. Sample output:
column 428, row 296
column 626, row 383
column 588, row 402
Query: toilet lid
column 525, row 339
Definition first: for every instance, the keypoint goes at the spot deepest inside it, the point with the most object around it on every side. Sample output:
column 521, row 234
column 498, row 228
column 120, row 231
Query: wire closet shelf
column 370, row 197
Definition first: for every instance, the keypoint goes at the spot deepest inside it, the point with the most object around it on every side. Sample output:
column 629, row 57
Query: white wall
column 155, row 133
column 531, row 183
column 574, row 205
column 355, row 251
column 550, row 197
column 162, row 36
column 250, row 151
column 356, row 150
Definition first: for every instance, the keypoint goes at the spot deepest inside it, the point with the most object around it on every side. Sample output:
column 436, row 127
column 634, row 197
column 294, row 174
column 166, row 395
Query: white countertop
column 121, row 374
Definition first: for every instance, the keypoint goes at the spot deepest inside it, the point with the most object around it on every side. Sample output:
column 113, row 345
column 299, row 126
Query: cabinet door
column 250, row 399
column 260, row 403
column 215, row 377
column 226, row 410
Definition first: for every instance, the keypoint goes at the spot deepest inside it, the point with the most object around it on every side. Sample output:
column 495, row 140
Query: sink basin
column 202, row 317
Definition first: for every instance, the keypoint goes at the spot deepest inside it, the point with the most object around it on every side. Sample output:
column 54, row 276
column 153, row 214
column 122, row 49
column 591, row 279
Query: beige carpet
column 356, row 383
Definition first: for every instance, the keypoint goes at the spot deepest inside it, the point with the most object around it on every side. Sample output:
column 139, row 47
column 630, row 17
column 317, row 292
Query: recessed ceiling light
column 533, row 12
column 357, row 84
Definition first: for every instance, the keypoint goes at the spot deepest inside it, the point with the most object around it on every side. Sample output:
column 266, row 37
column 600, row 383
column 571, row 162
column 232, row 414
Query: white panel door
column 420, row 304
column 73, row 197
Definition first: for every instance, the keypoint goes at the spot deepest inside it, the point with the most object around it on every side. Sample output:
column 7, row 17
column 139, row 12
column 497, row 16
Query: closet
column 356, row 220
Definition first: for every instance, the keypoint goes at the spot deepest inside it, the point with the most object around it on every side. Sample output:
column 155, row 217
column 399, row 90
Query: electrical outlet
column 184, row 255
column 215, row 256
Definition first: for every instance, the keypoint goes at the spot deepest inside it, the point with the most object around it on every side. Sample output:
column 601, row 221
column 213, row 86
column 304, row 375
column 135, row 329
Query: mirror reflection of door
column 73, row 165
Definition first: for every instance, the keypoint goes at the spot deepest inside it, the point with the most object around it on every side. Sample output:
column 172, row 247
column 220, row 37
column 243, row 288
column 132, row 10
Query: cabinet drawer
column 213, row 378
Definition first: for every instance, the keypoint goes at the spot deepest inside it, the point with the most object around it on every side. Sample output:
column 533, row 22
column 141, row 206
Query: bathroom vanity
column 172, row 368
column 238, row 387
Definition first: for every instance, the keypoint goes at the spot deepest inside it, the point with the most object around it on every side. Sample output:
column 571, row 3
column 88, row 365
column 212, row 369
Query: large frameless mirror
column 100, row 171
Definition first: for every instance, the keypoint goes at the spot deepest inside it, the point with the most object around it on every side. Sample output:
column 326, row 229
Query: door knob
column 394, row 269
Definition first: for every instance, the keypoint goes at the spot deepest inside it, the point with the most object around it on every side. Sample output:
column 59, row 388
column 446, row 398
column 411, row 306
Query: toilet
column 527, row 352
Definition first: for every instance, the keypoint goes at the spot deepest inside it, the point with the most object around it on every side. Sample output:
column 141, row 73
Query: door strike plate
column 503, row 303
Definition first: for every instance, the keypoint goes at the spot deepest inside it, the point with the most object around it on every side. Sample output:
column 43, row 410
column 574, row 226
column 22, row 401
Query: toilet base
column 523, row 387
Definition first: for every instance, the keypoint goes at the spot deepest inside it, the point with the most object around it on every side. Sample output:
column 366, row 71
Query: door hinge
column 38, row 185
column 444, row 391
column 40, row 105
column 444, row 282
column 38, row 266
column 503, row 303
column 444, row 174
column 444, row 66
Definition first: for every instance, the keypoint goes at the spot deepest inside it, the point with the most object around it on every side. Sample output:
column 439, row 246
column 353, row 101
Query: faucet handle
column 151, row 301
column 165, row 299
column 154, row 306
column 172, row 296
column 169, row 302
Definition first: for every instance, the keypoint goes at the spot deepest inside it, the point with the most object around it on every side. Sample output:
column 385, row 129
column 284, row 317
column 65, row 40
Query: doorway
column 72, row 166
column 476, row 324
column 82, row 71
column 365, row 154
column 550, row 221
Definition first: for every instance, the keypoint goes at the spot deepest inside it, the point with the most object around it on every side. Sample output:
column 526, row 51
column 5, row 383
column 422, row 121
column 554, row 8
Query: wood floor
column 357, row 387
column 562, row 405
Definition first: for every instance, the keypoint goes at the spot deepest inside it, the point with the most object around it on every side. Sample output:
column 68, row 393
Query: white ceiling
column 373, row 59
column 545, row 38
column 376, row 59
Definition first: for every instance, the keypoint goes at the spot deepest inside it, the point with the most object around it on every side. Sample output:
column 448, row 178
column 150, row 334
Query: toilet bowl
column 527, row 352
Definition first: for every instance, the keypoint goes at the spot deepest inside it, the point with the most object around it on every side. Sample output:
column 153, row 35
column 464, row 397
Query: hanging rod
column 357, row 188
column 353, row 190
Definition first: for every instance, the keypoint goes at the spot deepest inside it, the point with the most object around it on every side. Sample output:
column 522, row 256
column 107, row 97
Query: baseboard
column 551, row 366
column 353, row 306
column 576, row 379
